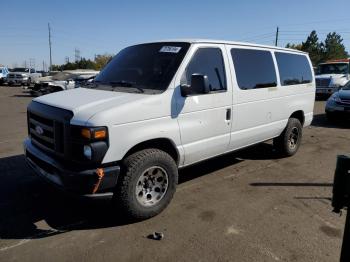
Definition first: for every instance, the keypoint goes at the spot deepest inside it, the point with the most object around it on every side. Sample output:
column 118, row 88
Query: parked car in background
column 338, row 105
column 22, row 76
column 64, row 80
column 331, row 76
column 43, row 73
column 3, row 74
column 160, row 106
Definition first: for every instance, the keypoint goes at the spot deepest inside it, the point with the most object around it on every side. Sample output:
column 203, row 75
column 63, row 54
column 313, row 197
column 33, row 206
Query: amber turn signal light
column 85, row 132
column 100, row 134
column 91, row 134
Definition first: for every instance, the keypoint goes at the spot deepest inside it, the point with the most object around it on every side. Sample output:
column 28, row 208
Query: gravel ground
column 250, row 205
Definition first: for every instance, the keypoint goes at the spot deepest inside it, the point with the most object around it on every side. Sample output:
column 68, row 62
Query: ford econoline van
column 157, row 107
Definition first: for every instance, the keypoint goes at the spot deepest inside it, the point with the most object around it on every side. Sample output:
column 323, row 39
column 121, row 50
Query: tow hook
column 100, row 173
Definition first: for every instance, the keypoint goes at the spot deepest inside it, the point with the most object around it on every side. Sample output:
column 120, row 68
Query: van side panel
column 261, row 114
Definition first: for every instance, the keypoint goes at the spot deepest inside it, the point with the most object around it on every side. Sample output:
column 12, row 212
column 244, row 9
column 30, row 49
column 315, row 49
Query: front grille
column 14, row 76
column 45, row 133
column 323, row 82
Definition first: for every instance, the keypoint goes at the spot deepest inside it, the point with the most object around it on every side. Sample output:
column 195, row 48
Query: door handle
column 228, row 114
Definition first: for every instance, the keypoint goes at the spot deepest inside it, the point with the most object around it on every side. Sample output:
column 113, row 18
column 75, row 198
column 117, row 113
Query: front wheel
column 147, row 183
column 289, row 141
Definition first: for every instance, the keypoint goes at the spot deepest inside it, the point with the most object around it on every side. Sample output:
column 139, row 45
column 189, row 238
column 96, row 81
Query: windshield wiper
column 124, row 83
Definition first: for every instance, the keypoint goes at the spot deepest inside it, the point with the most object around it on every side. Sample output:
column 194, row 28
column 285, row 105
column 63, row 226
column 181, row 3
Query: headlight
column 335, row 97
column 88, row 152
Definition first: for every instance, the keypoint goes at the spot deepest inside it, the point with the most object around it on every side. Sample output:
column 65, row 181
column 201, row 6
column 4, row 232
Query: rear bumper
column 89, row 183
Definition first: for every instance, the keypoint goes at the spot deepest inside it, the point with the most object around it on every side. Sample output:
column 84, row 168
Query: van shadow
column 32, row 209
column 322, row 121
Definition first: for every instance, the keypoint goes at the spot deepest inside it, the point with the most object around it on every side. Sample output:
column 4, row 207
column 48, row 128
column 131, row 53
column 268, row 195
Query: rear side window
column 294, row 69
column 209, row 62
column 254, row 68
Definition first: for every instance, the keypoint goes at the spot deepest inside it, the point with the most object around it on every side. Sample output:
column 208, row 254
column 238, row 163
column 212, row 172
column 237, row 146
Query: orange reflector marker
column 100, row 134
column 100, row 173
column 85, row 132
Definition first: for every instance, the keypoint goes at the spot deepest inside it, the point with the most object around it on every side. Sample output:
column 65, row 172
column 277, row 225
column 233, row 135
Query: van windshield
column 334, row 68
column 145, row 68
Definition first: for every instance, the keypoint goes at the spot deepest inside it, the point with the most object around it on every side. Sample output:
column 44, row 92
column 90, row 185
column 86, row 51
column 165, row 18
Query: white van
column 160, row 106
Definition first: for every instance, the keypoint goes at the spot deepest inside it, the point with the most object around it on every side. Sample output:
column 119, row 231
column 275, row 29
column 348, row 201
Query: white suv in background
column 157, row 107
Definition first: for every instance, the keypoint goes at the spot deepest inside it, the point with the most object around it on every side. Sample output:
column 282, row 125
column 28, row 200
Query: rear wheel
column 287, row 144
column 147, row 183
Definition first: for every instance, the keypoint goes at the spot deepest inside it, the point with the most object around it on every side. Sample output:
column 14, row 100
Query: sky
column 99, row 27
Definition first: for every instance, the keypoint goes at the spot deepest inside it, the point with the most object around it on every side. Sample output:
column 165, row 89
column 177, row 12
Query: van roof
column 213, row 41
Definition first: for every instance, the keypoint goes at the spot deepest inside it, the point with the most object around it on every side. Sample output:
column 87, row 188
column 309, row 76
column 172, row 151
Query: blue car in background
column 3, row 74
column 338, row 105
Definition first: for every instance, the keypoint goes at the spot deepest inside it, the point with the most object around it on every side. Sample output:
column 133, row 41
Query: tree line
column 97, row 64
column 331, row 48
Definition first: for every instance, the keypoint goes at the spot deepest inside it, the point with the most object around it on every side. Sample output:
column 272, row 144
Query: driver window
column 209, row 62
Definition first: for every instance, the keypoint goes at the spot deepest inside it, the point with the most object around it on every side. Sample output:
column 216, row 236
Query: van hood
column 79, row 99
column 97, row 107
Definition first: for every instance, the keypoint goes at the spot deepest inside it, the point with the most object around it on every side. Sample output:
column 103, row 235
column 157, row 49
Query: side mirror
column 199, row 85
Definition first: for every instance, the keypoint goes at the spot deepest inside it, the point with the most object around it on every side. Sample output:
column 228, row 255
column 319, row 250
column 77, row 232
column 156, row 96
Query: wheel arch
column 299, row 114
column 164, row 144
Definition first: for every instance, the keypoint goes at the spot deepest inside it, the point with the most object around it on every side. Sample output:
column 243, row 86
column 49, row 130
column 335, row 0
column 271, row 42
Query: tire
column 331, row 117
column 287, row 144
column 141, row 193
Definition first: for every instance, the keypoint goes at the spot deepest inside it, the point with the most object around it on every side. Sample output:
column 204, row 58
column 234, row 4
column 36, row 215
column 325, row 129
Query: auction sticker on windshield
column 170, row 49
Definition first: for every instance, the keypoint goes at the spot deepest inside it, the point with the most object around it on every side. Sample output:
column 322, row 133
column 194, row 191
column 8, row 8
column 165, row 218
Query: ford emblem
column 39, row 130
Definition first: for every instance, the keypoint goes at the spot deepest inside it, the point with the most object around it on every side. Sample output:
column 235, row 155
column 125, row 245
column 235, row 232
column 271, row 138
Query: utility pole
column 32, row 63
column 50, row 46
column 77, row 54
column 276, row 41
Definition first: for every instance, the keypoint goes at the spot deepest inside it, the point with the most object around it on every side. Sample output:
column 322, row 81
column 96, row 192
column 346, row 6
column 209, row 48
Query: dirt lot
column 246, row 206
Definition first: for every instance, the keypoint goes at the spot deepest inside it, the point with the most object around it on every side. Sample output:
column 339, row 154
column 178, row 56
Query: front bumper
column 338, row 110
column 87, row 183
column 17, row 80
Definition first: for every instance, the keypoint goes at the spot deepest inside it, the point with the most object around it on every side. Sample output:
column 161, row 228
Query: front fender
column 124, row 137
